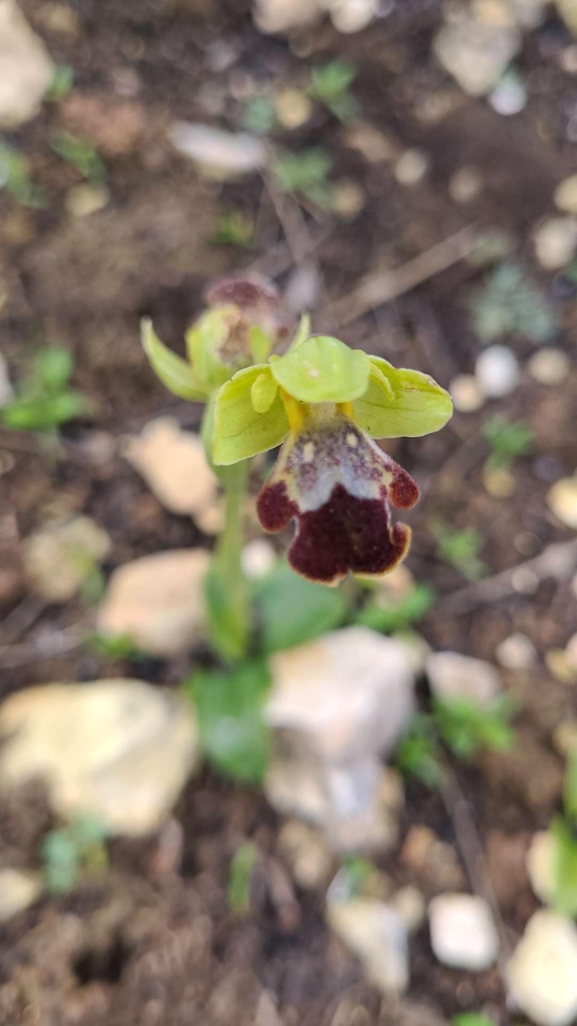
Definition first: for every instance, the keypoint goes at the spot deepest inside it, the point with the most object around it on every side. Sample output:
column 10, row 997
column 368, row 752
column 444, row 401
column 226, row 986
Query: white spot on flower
column 309, row 452
column 352, row 440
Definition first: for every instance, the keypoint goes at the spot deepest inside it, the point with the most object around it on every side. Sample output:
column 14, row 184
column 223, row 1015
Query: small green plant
column 76, row 848
column 460, row 548
column 259, row 115
column 233, row 228
column 240, row 878
column 466, row 726
column 62, row 82
column 510, row 304
column 391, row 617
column 305, row 173
column 322, row 403
column 81, row 154
column 462, row 726
column 472, row 1019
column 45, row 400
column 563, row 838
column 507, row 440
column 330, row 84
column 15, row 178
column 117, row 648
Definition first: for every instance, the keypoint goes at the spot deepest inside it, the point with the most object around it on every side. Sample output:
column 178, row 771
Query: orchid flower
column 324, row 403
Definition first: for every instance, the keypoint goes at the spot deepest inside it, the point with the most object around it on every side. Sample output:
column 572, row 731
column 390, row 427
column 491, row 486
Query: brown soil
column 154, row 942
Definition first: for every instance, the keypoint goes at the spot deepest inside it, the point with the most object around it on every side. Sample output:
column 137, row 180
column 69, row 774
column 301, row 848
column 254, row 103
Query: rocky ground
column 430, row 217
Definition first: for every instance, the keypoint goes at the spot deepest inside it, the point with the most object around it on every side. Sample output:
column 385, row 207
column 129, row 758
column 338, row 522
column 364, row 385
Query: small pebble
column 540, row 862
column 412, row 167
column 568, row 60
column 524, row 580
column 499, row 483
column 565, row 195
column 375, row 933
column 465, row 185
column 258, row 559
column 467, row 397
column 293, row 108
column 84, row 200
column 509, row 95
column 571, row 650
column 410, row 905
column 565, row 738
column 517, row 652
column 549, row 366
column 497, row 372
column 555, row 241
column 347, row 200
column 452, row 675
column 562, row 501
column 559, row 664
column 18, row 890
column 542, row 974
column 463, row 934
column 353, row 15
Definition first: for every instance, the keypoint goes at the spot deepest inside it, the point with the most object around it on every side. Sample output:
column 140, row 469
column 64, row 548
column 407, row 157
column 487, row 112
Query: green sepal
column 239, row 431
column 322, row 369
column 302, row 333
column 175, row 373
column 260, row 344
column 263, row 393
column 204, row 343
column 417, row 407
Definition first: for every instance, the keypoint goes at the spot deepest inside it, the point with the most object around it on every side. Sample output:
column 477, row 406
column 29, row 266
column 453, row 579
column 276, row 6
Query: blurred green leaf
column 330, row 84
column 507, row 439
column 565, row 867
column 233, row 733
column 62, row 81
column 240, row 878
column 259, row 115
column 15, row 178
column 65, row 852
column 233, row 228
column 466, row 727
column 121, row 647
column 81, row 154
column 570, row 788
column 472, row 1019
column 292, row 610
column 460, row 548
column 53, row 368
column 510, row 304
column 418, row 754
column 391, row 617
column 304, row 172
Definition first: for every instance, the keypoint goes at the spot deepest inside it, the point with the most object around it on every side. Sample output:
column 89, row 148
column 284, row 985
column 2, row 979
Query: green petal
column 204, row 341
column 260, row 344
column 174, row 372
column 419, row 405
column 263, row 392
column 322, row 369
column 239, row 430
column 303, row 331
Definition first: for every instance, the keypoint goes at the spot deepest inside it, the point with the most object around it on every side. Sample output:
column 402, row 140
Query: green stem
column 226, row 590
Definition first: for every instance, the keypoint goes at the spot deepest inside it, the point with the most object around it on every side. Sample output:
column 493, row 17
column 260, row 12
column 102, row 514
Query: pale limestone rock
column 26, row 69
column 463, row 934
column 452, row 675
column 86, row 199
column 410, row 905
column 273, row 16
column 542, row 974
column 549, row 366
column 174, row 465
column 376, row 934
column 565, row 194
column 562, row 501
column 59, row 557
column 306, row 852
column 476, row 52
column 412, row 167
column 497, row 372
column 18, row 890
column 517, row 652
column 555, row 242
column 158, row 601
column 466, row 394
column 350, row 16
column 568, row 11
column 120, row 750
column 258, row 559
column 219, row 154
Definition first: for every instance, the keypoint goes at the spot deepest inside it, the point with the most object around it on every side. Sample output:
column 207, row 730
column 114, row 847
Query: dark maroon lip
column 345, row 535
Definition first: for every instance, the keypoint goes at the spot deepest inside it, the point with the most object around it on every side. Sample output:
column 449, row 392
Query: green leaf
column 240, row 878
column 239, row 430
column 565, row 868
column 418, row 754
column 322, row 369
column 53, row 368
column 62, row 81
column 303, row 331
column 233, row 733
column 175, row 373
column 397, row 616
column 293, row 610
column 80, row 154
column 61, row 860
column 43, row 413
column 418, row 406
column 466, row 727
column 472, row 1019
column 570, row 788
column 304, row 172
